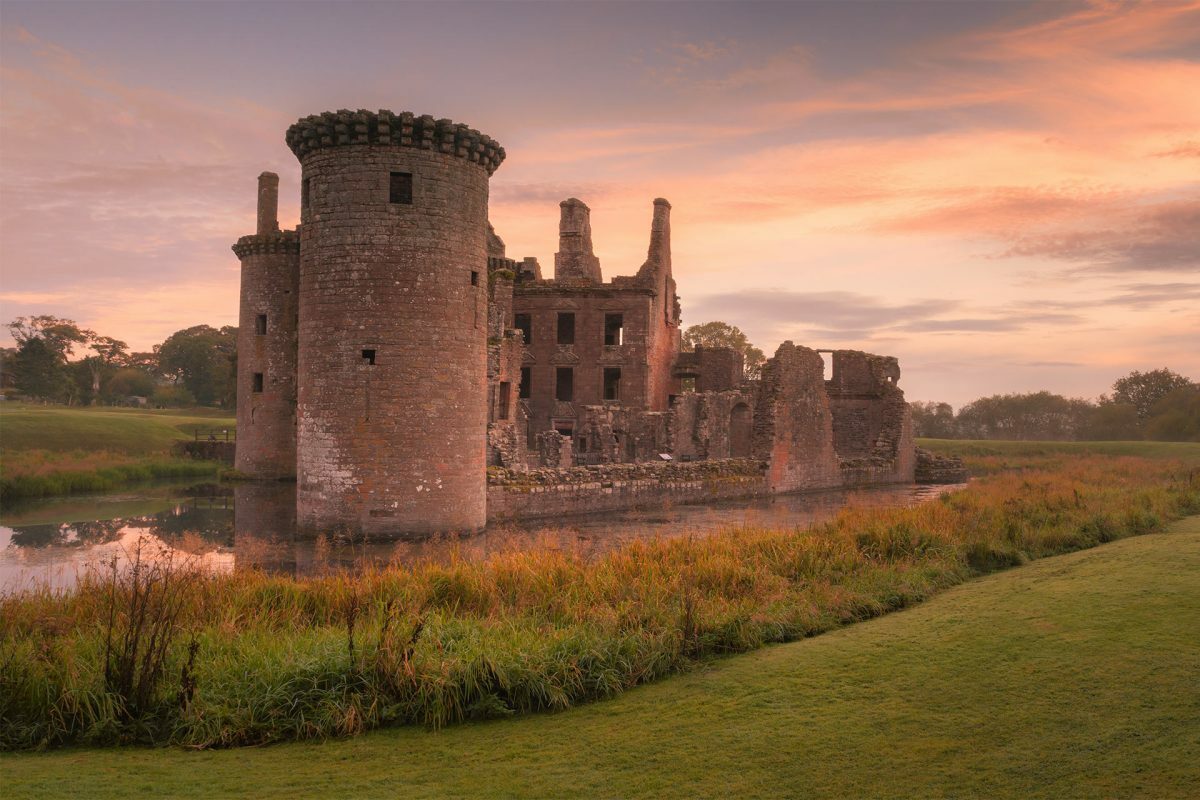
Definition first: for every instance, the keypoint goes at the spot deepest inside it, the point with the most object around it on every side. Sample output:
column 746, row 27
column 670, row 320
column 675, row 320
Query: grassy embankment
column 280, row 659
column 52, row 450
column 1072, row 677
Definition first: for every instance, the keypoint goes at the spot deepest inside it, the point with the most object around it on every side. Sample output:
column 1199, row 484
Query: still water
column 252, row 525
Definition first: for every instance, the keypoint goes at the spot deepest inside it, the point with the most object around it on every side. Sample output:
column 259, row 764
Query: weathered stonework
column 417, row 380
column 267, row 321
column 393, row 323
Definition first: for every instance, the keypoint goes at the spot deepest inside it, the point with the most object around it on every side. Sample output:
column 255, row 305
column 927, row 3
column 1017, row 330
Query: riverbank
column 55, row 450
column 1070, row 677
column 279, row 659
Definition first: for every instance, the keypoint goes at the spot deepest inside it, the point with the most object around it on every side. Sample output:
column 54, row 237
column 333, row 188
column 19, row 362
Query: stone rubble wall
column 934, row 468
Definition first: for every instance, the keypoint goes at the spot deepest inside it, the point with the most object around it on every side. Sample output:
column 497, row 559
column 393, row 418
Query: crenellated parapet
column 336, row 129
column 287, row 242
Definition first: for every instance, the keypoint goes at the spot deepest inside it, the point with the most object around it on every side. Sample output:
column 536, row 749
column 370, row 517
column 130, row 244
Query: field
column 1188, row 452
column 51, row 450
column 1071, row 677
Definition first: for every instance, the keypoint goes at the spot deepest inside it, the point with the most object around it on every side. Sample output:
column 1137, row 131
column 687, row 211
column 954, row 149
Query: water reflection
column 253, row 524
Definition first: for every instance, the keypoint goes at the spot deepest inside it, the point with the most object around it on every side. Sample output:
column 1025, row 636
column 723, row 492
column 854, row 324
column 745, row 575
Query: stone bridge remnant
column 414, row 379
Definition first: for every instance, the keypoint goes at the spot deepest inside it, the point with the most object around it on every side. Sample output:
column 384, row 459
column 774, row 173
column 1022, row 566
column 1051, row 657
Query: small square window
column 260, row 324
column 566, row 327
column 400, row 190
column 257, row 385
column 369, row 357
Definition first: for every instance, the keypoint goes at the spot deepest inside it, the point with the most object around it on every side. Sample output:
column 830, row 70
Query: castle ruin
column 414, row 379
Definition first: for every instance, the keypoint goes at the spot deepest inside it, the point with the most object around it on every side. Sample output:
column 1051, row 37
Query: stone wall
column 793, row 425
column 615, row 487
column 712, row 425
column 392, row 433
column 267, row 324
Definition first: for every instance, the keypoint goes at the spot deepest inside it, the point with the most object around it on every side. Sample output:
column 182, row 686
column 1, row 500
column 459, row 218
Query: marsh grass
column 335, row 654
column 41, row 473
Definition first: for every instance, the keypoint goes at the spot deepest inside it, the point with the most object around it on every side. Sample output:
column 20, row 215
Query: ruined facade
column 414, row 378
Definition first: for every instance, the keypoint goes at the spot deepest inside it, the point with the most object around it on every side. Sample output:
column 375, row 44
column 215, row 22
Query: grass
column 283, row 658
column 1188, row 452
column 53, row 450
column 1072, row 677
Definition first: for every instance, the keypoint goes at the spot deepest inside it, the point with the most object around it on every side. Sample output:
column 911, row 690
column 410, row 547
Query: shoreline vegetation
column 167, row 655
column 48, row 451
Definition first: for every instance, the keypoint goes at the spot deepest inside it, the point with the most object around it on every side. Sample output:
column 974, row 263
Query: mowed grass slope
column 1074, row 677
column 50, row 450
column 1188, row 452
column 116, row 430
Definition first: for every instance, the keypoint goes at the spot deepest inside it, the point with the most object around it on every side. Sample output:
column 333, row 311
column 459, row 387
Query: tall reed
column 263, row 658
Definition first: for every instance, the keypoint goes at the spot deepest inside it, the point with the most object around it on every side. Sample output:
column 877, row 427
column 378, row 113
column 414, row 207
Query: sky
column 1005, row 196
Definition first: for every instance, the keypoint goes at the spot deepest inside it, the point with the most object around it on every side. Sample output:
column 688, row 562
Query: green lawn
column 1073, row 676
column 1186, row 451
column 118, row 430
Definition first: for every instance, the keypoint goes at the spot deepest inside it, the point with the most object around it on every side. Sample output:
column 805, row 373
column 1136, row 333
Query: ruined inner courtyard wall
column 397, row 446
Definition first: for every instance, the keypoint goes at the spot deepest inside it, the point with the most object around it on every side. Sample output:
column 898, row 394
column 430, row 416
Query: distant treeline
column 57, row 361
column 1159, row 405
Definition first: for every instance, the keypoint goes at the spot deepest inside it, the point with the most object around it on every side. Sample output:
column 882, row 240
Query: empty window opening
column 525, row 390
column 524, row 323
column 612, row 383
column 474, row 278
column 400, row 190
column 827, row 365
column 564, row 430
column 304, row 191
column 566, row 327
column 687, row 385
column 505, row 394
column 368, row 356
column 260, row 324
column 257, row 386
column 564, row 385
column 614, row 329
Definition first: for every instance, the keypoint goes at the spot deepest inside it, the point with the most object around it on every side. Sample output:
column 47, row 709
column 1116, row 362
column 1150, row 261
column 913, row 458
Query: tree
column 204, row 360
column 60, row 335
column 933, row 420
column 721, row 334
column 109, row 353
column 1112, row 422
column 1028, row 417
column 38, row 370
column 1143, row 389
column 130, row 382
column 1175, row 417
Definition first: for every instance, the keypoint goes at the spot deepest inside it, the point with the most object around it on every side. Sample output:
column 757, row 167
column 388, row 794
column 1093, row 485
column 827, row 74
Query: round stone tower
column 392, row 413
column 266, row 372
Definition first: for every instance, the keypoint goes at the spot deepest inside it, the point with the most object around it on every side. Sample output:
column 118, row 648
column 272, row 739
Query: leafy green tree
column 1112, row 422
column 107, row 355
column 722, row 334
column 1143, row 389
column 129, row 382
column 1027, row 417
column 1175, row 417
column 204, row 360
column 172, row 397
column 60, row 335
column 38, row 370
column 933, row 420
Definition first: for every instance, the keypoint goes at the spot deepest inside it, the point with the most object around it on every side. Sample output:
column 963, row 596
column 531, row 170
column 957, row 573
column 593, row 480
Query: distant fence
column 215, row 435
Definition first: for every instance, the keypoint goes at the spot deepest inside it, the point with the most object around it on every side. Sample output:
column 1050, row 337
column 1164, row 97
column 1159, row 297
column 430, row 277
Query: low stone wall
column 618, row 487
column 859, row 472
column 934, row 468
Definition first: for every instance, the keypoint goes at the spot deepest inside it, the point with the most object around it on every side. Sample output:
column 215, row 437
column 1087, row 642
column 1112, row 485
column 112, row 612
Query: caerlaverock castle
column 414, row 378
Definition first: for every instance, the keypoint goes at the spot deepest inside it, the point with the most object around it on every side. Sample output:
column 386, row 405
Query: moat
column 56, row 540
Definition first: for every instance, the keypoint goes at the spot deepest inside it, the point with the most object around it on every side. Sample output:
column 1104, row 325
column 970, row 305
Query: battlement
column 264, row 243
column 335, row 129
